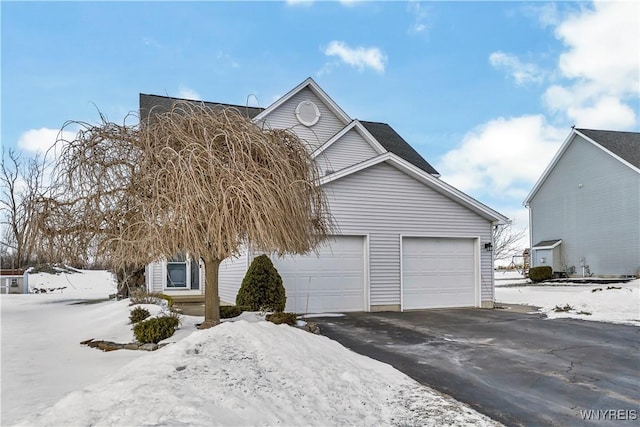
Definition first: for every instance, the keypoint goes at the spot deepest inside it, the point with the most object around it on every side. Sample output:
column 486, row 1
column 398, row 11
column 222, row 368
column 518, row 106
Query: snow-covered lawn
column 613, row 302
column 242, row 372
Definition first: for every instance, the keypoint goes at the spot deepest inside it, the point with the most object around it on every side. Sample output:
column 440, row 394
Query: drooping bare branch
column 191, row 180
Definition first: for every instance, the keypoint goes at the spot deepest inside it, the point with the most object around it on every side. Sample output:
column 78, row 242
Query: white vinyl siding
column 155, row 276
column 349, row 150
column 591, row 201
column 284, row 117
column 230, row 275
column 385, row 203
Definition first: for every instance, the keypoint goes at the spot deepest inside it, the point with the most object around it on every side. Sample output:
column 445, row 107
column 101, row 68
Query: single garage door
column 331, row 281
column 438, row 272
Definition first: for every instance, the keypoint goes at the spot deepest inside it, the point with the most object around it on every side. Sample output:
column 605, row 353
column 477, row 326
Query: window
column 183, row 273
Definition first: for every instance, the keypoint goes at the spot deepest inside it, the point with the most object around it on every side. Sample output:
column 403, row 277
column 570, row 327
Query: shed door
column 332, row 281
column 438, row 272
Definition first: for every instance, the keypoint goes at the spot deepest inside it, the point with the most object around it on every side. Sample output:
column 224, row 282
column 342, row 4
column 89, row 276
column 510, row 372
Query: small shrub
column 141, row 296
column 280, row 317
column 138, row 314
column 229, row 311
column 539, row 274
column 156, row 329
column 262, row 287
column 167, row 298
column 564, row 309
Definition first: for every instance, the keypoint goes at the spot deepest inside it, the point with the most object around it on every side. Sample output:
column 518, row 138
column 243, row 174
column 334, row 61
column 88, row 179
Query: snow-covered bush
column 141, row 296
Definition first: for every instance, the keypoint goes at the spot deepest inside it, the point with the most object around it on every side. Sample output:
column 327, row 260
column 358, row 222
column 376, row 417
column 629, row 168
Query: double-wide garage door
column 330, row 281
column 438, row 272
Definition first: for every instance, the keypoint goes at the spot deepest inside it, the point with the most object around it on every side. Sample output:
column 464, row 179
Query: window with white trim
column 183, row 272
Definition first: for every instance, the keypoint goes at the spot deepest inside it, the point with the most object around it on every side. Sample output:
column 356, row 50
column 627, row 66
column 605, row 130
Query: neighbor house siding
column 591, row 201
column 349, row 150
column 385, row 203
column 230, row 275
column 284, row 117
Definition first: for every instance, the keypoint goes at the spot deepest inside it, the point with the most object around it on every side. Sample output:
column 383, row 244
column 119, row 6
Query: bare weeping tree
column 507, row 241
column 21, row 182
column 196, row 180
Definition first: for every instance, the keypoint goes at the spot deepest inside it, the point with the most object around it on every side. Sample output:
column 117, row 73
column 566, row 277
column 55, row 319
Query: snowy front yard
column 612, row 302
column 245, row 372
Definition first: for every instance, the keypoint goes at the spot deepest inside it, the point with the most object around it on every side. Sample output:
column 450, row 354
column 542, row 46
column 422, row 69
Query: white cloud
column 600, row 65
column 188, row 93
column 358, row 57
column 521, row 72
column 596, row 81
column 39, row 141
column 502, row 158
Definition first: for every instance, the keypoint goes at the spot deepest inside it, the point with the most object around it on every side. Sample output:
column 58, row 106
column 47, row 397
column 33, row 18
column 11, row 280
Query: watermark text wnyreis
column 609, row 414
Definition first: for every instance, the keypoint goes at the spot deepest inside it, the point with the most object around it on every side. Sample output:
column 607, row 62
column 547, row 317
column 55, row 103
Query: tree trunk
column 211, row 298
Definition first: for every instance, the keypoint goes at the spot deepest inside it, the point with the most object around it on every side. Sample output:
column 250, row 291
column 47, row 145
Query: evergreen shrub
column 539, row 274
column 138, row 314
column 156, row 329
column 278, row 318
column 229, row 311
column 262, row 287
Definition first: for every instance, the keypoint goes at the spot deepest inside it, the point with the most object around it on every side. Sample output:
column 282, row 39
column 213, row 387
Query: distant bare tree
column 193, row 180
column 507, row 242
column 22, row 182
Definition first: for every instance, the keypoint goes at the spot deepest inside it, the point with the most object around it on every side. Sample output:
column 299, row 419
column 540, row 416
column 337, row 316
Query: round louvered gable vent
column 307, row 113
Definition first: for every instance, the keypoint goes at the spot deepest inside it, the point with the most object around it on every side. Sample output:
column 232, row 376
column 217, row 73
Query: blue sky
column 485, row 91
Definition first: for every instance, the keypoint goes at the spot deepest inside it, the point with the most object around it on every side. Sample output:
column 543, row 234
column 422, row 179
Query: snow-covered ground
column 243, row 372
column 612, row 302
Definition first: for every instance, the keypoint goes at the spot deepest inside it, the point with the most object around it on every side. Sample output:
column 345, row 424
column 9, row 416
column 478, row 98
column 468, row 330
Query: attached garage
column 333, row 280
column 439, row 272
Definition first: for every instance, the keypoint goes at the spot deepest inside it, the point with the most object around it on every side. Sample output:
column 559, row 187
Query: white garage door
column 438, row 272
column 332, row 281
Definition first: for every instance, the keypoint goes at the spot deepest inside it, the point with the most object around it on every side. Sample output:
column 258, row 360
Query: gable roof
column 358, row 127
column 384, row 134
column 425, row 178
column 317, row 91
column 394, row 143
column 623, row 146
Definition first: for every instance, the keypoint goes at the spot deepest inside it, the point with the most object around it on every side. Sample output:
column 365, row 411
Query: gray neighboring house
column 405, row 239
column 584, row 211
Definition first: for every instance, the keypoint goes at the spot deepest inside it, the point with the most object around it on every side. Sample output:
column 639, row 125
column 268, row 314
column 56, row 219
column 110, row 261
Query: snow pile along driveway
column 242, row 373
column 612, row 302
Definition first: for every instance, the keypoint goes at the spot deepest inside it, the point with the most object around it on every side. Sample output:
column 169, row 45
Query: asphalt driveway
column 517, row 368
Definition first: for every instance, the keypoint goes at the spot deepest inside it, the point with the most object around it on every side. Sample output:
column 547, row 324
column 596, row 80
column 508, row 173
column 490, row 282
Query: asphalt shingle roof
column 161, row 104
column 546, row 243
column 382, row 132
column 625, row 145
column 394, row 143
